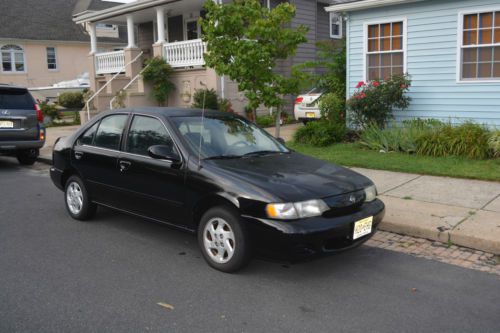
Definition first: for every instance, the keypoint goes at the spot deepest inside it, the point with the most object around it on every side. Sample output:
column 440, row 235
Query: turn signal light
column 299, row 100
column 42, row 134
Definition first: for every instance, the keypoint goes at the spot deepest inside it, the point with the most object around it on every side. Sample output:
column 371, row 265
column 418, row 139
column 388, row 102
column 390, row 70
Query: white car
column 307, row 107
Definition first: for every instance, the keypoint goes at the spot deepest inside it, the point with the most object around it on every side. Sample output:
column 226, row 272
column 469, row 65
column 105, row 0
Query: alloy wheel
column 74, row 198
column 219, row 240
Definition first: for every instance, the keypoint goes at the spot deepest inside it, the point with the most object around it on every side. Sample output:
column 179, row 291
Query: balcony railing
column 184, row 54
column 109, row 62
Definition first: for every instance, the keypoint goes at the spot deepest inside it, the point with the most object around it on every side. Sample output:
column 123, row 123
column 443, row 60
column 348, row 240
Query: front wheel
column 77, row 200
column 223, row 240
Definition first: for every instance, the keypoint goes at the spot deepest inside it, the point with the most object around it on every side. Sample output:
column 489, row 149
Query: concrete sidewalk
column 454, row 211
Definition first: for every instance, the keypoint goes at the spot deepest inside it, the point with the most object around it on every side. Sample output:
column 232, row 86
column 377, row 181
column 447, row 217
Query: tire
column 224, row 222
column 28, row 156
column 77, row 201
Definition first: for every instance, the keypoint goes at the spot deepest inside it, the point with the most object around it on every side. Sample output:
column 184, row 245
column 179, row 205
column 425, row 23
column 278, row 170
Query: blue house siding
column 431, row 61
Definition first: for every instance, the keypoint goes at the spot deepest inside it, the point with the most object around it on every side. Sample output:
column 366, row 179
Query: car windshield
column 226, row 137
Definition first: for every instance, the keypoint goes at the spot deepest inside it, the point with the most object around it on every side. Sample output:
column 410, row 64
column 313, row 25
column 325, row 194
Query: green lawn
column 349, row 154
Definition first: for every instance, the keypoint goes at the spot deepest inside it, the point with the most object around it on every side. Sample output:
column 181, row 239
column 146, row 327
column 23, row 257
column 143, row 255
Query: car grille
column 344, row 204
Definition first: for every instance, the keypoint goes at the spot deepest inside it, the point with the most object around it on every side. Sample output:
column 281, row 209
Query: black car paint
column 179, row 194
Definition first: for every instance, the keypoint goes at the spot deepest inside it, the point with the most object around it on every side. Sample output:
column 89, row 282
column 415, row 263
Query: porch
column 165, row 28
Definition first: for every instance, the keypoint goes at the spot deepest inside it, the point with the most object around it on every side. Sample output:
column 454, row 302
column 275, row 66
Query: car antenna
column 202, row 122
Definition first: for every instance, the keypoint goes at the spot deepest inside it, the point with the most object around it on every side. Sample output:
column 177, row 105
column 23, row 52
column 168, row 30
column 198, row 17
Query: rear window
column 16, row 99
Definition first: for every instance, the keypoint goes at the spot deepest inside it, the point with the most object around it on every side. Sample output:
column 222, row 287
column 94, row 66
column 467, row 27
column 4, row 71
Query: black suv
column 21, row 124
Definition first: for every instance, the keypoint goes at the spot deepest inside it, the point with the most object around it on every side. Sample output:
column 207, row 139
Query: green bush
column 320, row 133
column 265, row 121
column 467, row 140
column 225, row 105
column 494, row 143
column 210, row 96
column 332, row 108
column 158, row 72
column 71, row 100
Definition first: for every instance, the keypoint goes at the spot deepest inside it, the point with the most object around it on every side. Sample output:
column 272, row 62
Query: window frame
column 55, row 58
column 460, row 40
column 14, row 63
column 123, row 147
column 341, row 25
column 366, row 24
column 122, row 137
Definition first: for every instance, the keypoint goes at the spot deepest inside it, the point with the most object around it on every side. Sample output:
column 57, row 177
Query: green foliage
column 49, row 110
column 332, row 63
column 210, row 97
column 246, row 40
column 119, row 101
column 467, row 140
column 158, row 73
column 397, row 138
column 374, row 101
column 225, row 105
column 71, row 100
column 265, row 121
column 494, row 143
column 332, row 108
column 320, row 133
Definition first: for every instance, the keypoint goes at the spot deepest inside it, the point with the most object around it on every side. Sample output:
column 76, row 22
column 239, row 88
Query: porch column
column 160, row 21
column 93, row 38
column 130, row 32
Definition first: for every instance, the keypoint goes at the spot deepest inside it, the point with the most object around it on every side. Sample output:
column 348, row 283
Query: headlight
column 286, row 211
column 370, row 193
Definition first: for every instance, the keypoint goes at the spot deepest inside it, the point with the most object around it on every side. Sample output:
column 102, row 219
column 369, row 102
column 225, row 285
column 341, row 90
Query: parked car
column 221, row 177
column 307, row 107
column 21, row 130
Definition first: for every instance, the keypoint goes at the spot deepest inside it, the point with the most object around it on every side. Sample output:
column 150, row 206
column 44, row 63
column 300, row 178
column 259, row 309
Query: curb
column 45, row 160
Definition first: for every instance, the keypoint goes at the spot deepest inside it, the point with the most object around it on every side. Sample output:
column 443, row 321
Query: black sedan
column 220, row 176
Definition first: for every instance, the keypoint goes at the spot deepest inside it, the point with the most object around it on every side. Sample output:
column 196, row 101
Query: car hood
column 293, row 176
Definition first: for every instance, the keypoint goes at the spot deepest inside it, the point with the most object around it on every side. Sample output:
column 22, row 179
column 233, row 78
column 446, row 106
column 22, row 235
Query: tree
column 245, row 41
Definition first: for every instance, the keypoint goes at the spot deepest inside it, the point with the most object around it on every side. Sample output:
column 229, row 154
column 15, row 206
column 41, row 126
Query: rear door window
column 110, row 132
column 146, row 132
column 88, row 137
column 17, row 99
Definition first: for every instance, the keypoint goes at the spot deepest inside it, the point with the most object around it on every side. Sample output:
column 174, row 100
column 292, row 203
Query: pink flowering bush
column 373, row 102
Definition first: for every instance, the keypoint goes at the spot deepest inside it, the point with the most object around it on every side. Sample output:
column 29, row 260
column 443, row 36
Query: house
column 40, row 45
column 451, row 49
column 170, row 29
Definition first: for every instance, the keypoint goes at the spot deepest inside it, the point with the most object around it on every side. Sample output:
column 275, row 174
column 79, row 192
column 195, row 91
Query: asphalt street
column 109, row 274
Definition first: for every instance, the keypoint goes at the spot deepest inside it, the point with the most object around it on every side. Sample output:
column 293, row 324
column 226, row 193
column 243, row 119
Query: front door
column 95, row 156
column 151, row 187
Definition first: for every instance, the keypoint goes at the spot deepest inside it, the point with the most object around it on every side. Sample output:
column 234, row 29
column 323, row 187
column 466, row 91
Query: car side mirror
column 281, row 140
column 164, row 152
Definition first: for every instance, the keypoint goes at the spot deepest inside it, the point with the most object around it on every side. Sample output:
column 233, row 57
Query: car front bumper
column 312, row 236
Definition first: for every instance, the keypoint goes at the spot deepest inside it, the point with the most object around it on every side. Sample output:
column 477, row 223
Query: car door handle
column 124, row 165
column 78, row 155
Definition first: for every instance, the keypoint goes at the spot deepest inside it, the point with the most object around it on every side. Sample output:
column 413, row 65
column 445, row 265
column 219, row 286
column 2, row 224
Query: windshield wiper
column 263, row 152
column 222, row 157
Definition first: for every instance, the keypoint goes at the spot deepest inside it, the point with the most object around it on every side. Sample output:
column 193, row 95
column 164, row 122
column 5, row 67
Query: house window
column 335, row 26
column 385, row 50
column 13, row 59
column 51, row 58
column 480, row 46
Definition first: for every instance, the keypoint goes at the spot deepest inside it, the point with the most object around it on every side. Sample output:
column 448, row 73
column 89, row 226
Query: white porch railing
column 109, row 62
column 185, row 53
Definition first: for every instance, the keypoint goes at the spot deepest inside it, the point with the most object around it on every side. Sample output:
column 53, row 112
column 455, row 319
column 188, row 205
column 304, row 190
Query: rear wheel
column 77, row 200
column 223, row 240
column 27, row 156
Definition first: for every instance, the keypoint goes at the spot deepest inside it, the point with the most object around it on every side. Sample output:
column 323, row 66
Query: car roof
column 173, row 111
column 10, row 86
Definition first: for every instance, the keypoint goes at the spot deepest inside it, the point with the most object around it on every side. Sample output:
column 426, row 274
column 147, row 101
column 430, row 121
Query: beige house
column 170, row 29
column 40, row 45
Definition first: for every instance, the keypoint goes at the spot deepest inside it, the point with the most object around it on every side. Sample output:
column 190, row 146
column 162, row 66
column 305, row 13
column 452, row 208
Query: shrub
column 49, row 110
column 374, row 101
column 225, row 105
column 210, row 96
column 71, row 100
column 467, row 140
column 158, row 73
column 266, row 121
column 320, row 133
column 332, row 108
column 494, row 143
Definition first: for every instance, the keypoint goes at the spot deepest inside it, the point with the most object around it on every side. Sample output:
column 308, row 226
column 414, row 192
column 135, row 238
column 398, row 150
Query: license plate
column 362, row 227
column 310, row 115
column 6, row 124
